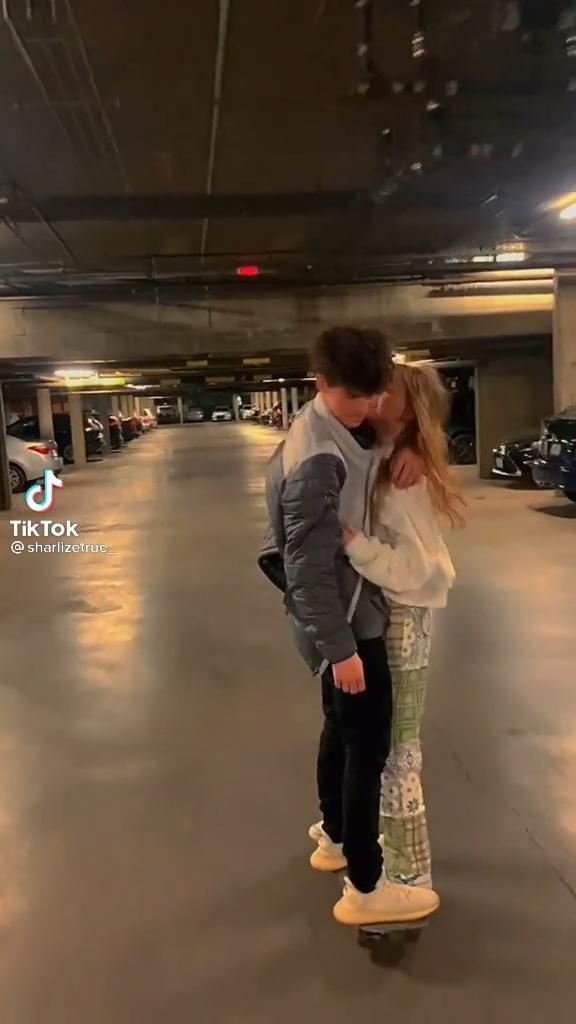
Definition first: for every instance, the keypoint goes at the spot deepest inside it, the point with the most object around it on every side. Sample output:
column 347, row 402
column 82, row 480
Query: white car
column 149, row 420
column 27, row 461
column 222, row 414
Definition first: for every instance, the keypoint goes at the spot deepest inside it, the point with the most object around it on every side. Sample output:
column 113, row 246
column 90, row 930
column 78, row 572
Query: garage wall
column 514, row 393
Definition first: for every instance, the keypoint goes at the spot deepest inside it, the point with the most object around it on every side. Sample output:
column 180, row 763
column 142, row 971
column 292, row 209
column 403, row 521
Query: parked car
column 247, row 412
column 116, row 436
column 149, row 419
column 167, row 413
column 129, row 426
column 222, row 414
column 555, row 462
column 567, row 482
column 195, row 415
column 514, row 456
column 28, row 428
column 116, row 440
column 27, row 460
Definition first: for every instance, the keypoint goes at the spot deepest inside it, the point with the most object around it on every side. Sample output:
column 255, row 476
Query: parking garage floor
column 157, row 743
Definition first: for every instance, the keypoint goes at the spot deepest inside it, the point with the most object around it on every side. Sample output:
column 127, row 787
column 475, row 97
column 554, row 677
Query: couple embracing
column 356, row 497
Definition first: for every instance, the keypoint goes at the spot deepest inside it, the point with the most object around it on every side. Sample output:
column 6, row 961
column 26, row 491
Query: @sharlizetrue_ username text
column 50, row 528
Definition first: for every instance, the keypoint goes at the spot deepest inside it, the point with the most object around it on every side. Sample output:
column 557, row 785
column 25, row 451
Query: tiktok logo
column 40, row 497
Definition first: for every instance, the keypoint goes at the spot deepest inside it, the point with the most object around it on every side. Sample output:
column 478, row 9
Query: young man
column 320, row 478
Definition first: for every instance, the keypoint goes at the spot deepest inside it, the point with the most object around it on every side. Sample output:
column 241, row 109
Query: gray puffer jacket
column 318, row 479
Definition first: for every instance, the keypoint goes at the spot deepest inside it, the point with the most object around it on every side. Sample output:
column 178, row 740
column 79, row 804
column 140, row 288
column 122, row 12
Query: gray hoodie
column 318, row 479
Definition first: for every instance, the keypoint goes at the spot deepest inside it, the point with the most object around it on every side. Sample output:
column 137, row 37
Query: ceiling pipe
column 223, row 21
column 98, row 98
column 25, row 56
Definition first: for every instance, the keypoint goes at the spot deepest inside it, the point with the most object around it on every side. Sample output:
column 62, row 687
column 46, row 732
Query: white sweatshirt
column 408, row 559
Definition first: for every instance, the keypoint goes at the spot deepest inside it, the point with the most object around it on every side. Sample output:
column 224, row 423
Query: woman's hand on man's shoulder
column 406, row 469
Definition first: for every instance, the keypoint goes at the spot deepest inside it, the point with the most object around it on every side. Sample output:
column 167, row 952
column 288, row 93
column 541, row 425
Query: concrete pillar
column 137, row 405
column 284, row 400
column 564, row 345
column 180, row 409
column 45, row 418
column 5, row 491
column 269, row 400
column 514, row 394
column 294, row 400
column 236, row 406
column 124, row 406
column 77, row 426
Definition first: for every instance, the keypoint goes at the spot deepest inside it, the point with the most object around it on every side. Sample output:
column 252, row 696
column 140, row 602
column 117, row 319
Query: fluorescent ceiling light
column 512, row 256
column 569, row 212
column 561, row 202
column 482, row 259
column 74, row 373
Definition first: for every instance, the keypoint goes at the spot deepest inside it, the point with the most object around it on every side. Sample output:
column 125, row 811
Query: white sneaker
column 328, row 856
column 387, row 903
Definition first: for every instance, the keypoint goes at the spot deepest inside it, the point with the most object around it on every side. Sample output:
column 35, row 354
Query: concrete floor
column 157, row 743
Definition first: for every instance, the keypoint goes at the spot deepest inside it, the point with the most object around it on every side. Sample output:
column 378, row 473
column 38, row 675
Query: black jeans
column 354, row 746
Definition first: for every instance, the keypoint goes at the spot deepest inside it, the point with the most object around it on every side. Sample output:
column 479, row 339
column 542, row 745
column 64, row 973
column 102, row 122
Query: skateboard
column 394, row 931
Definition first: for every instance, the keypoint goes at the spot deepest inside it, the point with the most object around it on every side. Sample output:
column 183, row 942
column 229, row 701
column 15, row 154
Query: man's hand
column 348, row 534
column 407, row 469
column 349, row 675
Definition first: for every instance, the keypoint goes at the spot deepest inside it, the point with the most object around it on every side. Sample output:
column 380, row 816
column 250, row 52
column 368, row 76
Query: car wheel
column 18, row 479
column 571, row 495
column 463, row 449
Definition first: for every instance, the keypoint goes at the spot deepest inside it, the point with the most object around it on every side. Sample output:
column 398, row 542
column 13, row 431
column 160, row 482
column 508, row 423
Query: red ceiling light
column 248, row 270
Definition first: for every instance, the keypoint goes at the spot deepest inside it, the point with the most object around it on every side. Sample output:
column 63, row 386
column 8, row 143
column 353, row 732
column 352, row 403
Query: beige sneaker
column 327, row 856
column 388, row 903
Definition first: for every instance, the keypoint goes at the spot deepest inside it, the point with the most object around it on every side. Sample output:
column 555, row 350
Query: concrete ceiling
column 172, row 142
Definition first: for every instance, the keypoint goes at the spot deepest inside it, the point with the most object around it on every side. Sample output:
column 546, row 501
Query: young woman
column 409, row 560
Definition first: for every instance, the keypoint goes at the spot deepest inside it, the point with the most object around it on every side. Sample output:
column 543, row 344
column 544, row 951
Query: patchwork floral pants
column 404, row 827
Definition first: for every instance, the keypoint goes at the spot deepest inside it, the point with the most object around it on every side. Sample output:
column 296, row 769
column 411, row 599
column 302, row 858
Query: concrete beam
column 78, row 330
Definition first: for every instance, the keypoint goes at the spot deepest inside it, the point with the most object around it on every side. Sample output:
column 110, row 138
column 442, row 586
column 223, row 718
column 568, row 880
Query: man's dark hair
column 354, row 358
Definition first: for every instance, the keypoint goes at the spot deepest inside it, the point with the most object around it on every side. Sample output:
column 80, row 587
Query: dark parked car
column 513, row 457
column 116, row 436
column 129, row 427
column 28, row 428
column 555, row 462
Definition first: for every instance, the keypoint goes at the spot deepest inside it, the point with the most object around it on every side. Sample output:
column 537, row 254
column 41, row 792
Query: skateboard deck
column 409, row 931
